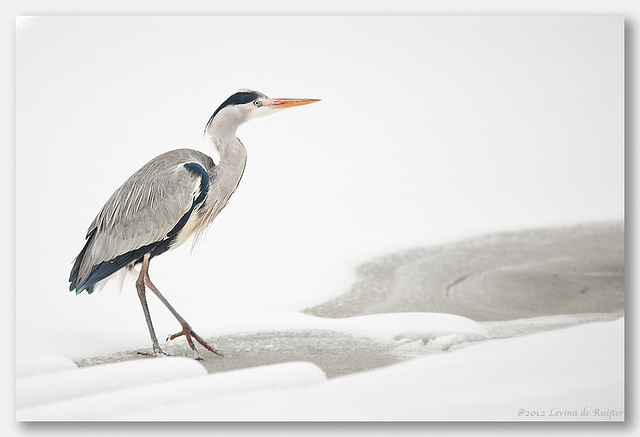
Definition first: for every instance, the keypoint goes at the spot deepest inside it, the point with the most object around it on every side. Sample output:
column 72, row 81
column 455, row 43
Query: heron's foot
column 190, row 335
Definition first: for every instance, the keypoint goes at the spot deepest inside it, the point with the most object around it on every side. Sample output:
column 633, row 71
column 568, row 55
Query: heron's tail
column 74, row 278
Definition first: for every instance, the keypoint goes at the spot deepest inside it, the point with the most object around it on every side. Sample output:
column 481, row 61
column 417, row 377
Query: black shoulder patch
column 199, row 171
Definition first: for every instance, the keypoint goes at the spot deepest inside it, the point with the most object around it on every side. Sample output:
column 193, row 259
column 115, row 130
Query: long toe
column 206, row 345
column 190, row 334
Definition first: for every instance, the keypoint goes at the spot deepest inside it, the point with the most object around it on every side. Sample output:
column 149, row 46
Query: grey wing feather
column 145, row 208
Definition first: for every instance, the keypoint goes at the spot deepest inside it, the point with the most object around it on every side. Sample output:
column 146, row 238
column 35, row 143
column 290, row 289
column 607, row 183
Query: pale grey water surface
column 504, row 276
column 516, row 283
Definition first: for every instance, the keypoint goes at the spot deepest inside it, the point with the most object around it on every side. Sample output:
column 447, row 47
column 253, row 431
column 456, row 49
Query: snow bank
column 39, row 366
column 447, row 329
column 171, row 395
column 52, row 387
column 422, row 326
column 570, row 374
column 575, row 373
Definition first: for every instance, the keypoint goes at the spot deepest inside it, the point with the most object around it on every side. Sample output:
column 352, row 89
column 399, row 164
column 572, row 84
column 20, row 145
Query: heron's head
column 247, row 104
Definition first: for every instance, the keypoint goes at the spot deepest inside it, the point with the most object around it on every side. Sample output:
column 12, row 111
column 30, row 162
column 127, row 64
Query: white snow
column 43, row 365
column 570, row 374
column 51, row 387
column 448, row 329
column 172, row 395
column 390, row 326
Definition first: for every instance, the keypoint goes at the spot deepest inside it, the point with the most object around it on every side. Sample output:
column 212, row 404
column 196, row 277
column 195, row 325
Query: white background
column 422, row 137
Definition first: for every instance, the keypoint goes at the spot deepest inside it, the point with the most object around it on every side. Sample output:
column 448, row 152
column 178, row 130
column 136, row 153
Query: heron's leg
column 143, row 299
column 187, row 331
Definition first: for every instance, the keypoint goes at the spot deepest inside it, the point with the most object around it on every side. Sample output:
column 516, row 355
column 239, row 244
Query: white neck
column 222, row 135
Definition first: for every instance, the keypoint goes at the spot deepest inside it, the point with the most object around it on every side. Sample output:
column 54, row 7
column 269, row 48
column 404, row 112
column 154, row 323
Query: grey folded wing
column 144, row 214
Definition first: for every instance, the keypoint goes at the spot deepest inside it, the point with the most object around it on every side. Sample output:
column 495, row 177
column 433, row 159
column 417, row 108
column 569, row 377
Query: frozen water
column 540, row 272
column 339, row 346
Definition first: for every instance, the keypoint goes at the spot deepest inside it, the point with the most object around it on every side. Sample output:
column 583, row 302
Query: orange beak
column 288, row 103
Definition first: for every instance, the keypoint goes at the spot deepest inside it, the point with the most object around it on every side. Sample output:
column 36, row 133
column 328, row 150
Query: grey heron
column 172, row 197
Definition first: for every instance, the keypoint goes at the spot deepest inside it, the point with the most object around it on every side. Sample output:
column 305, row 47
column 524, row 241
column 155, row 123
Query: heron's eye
column 256, row 103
